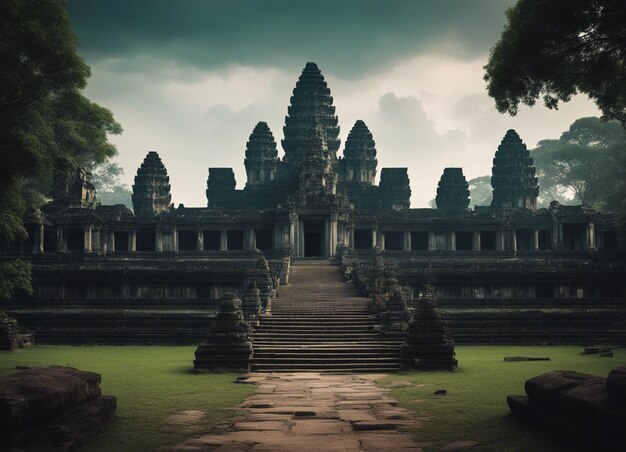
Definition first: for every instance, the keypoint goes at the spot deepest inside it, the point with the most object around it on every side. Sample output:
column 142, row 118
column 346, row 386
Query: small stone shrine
column 226, row 346
column 428, row 345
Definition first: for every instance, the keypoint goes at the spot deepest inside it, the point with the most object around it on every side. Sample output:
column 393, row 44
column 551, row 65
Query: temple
column 505, row 273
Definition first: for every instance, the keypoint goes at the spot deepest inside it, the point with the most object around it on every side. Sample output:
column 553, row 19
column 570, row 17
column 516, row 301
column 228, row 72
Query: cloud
column 354, row 37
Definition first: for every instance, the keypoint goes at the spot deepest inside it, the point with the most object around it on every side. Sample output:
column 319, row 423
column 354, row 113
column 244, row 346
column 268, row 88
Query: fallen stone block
column 525, row 358
column 51, row 409
column 616, row 384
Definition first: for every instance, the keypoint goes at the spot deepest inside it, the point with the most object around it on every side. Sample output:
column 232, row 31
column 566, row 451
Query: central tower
column 311, row 104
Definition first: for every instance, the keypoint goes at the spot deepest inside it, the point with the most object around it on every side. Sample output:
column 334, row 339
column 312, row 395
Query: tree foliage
column 481, row 192
column 558, row 48
column 587, row 163
column 45, row 121
column 110, row 190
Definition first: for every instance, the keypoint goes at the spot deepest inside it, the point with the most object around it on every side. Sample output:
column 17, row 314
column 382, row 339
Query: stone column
column 407, row 241
column 500, row 240
column 452, row 241
column 250, row 240
column 351, row 236
column 199, row 240
column 112, row 241
column 87, row 239
column 223, row 240
column 333, row 234
column 374, row 238
column 175, row 238
column 591, row 236
column 40, row 238
column 158, row 240
column 535, row 244
column 381, row 240
column 432, row 246
column 300, row 238
column 514, row 240
column 476, row 241
column 557, row 235
column 327, row 238
column 292, row 235
column 132, row 241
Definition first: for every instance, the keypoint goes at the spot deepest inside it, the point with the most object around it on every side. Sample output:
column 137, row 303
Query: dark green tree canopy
column 557, row 48
column 587, row 164
column 45, row 121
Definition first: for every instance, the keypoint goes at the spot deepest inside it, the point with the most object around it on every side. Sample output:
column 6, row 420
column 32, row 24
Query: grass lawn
column 151, row 383
column 475, row 407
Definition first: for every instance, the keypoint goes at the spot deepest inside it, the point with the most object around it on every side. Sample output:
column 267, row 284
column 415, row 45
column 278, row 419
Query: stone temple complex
column 312, row 255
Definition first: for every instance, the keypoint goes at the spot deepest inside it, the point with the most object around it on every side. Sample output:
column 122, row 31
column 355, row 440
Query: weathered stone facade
column 166, row 268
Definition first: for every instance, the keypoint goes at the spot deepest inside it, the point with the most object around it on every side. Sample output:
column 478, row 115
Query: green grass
column 475, row 407
column 151, row 383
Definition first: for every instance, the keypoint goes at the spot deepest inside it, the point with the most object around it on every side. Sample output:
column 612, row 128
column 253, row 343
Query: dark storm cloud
column 351, row 36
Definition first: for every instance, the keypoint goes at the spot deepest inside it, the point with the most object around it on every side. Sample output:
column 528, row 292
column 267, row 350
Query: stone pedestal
column 428, row 345
column 226, row 346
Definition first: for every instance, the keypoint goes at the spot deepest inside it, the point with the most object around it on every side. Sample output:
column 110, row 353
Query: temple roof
column 151, row 190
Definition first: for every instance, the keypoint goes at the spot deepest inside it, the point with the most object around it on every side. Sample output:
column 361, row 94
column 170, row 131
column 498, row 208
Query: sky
column 191, row 79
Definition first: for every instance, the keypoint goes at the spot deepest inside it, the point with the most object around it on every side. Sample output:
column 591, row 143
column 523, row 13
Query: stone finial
column 428, row 345
column 395, row 316
column 453, row 190
column 262, row 264
column 395, row 188
column 360, row 155
column 513, row 175
column 251, row 303
column 311, row 103
column 226, row 346
column 151, row 190
column 261, row 155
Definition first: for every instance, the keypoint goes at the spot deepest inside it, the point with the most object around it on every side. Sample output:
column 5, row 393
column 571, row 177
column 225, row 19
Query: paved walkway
column 313, row 412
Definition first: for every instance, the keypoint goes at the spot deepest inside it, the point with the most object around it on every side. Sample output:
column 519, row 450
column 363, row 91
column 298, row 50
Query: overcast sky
column 191, row 79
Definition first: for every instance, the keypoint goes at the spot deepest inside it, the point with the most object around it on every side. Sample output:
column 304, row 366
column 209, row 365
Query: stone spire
column 261, row 155
column 360, row 155
column 151, row 190
column 73, row 189
column 311, row 103
column 453, row 190
column 395, row 188
column 513, row 175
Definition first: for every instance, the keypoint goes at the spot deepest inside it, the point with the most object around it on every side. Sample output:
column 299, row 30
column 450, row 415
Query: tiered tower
column 317, row 173
column 453, row 190
column 395, row 188
column 359, row 164
column 311, row 104
column 151, row 190
column 261, row 156
column 513, row 175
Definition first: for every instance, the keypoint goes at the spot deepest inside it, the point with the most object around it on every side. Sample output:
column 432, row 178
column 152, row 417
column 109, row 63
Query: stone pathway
column 313, row 412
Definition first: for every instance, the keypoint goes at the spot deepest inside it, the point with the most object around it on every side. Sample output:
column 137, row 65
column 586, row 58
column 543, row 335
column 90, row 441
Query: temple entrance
column 313, row 240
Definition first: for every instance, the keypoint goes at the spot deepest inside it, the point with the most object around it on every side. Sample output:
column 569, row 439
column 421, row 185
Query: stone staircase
column 320, row 323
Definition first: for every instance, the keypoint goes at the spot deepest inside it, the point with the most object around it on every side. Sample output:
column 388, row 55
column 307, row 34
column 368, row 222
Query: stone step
column 335, row 367
column 267, row 327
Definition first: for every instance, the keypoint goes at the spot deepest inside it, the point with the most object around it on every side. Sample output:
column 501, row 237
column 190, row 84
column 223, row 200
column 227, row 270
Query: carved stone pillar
column 452, row 241
column 40, row 238
column 87, row 239
column 535, row 244
column 407, row 241
column 223, row 240
column 476, row 241
column 132, row 241
column 199, row 241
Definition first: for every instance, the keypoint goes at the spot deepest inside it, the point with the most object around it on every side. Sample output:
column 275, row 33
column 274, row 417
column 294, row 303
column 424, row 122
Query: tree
column 481, row 192
column 558, row 48
column 45, row 121
column 110, row 190
column 586, row 164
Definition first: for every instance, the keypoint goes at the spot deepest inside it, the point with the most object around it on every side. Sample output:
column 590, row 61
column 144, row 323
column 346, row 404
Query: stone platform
column 310, row 411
